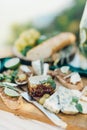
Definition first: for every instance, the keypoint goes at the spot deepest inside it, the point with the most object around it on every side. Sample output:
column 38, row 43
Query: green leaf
column 75, row 99
column 2, row 77
column 79, row 107
column 25, row 50
column 50, row 81
column 14, row 74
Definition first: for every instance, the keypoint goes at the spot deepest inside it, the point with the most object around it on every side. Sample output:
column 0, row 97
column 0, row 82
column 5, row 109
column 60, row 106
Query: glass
column 83, row 33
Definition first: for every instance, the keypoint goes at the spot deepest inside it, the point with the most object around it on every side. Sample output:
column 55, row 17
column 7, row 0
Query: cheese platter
column 69, row 113
column 58, row 94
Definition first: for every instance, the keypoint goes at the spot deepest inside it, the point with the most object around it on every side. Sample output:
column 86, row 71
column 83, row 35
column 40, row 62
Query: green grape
column 27, row 38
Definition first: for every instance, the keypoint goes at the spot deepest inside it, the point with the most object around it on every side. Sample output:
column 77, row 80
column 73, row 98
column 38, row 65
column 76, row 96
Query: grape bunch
column 27, row 38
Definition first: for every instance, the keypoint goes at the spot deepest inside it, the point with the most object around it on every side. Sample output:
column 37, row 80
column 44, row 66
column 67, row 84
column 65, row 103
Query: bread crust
column 11, row 102
column 66, row 82
column 50, row 46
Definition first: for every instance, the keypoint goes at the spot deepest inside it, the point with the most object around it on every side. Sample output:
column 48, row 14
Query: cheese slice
column 52, row 103
column 66, row 95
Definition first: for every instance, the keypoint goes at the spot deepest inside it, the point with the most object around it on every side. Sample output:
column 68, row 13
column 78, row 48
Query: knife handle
column 53, row 117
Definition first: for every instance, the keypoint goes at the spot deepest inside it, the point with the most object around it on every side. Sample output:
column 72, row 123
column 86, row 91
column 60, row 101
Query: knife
column 53, row 117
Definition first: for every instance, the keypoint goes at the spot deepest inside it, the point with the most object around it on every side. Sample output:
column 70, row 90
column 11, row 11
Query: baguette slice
column 50, row 46
column 37, row 87
column 66, row 81
column 11, row 102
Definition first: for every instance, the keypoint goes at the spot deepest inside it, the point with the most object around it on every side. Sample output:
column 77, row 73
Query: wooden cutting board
column 75, row 122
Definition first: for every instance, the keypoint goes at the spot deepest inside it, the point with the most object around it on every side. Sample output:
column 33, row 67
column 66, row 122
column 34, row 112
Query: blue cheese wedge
column 66, row 96
column 62, row 100
column 52, row 103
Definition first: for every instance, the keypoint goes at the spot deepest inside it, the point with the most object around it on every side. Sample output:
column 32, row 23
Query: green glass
column 83, row 41
column 83, row 32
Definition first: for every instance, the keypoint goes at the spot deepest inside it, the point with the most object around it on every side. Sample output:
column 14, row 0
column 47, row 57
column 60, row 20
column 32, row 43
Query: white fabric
column 9, row 121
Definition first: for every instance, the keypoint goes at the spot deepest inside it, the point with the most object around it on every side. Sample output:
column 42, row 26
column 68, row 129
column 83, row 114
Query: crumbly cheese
column 38, row 79
column 75, row 77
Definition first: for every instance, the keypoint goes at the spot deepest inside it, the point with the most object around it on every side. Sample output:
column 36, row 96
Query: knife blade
column 53, row 117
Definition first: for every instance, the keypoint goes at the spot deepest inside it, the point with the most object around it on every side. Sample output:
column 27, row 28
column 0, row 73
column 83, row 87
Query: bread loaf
column 50, row 46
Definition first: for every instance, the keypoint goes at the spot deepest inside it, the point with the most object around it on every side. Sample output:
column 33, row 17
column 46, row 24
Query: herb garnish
column 75, row 99
column 77, row 104
column 2, row 77
column 14, row 74
column 50, row 81
column 79, row 107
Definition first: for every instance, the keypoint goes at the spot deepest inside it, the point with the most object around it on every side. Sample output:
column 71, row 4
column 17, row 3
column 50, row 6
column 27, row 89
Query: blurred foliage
column 68, row 20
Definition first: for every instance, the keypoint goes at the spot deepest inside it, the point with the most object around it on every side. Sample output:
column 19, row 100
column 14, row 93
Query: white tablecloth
column 9, row 121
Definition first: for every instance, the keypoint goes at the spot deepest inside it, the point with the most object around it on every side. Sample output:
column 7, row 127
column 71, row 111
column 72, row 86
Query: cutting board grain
column 75, row 122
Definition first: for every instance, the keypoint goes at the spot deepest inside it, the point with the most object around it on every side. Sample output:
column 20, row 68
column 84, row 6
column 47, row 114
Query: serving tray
column 75, row 122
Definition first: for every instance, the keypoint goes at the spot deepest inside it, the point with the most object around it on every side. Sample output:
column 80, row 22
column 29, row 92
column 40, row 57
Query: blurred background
column 48, row 16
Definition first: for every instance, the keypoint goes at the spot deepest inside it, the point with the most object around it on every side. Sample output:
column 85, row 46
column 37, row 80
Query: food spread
column 42, row 85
